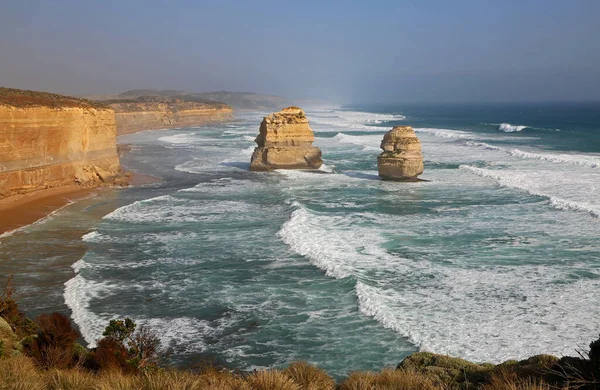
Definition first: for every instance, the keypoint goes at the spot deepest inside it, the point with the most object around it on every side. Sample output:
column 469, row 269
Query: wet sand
column 22, row 210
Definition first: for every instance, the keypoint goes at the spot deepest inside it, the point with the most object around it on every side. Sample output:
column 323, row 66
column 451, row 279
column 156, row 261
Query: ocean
column 496, row 256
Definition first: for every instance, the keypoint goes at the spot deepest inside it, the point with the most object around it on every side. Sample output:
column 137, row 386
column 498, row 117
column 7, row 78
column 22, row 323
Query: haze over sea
column 496, row 256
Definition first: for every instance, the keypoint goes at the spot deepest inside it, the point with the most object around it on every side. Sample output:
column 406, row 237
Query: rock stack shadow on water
column 401, row 159
column 285, row 142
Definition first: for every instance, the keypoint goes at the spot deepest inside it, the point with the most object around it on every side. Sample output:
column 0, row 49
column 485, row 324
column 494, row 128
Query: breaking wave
column 510, row 180
column 412, row 297
column 508, row 128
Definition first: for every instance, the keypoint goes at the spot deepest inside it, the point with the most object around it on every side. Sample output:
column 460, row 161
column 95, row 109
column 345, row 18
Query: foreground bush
column 126, row 349
column 10, row 312
column 54, row 344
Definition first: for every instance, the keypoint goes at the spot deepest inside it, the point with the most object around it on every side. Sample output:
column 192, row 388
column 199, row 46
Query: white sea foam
column 326, row 168
column 482, row 145
column 91, row 236
column 182, row 333
column 575, row 159
column 169, row 209
column 508, row 128
column 368, row 142
column 304, row 233
column 526, row 182
column 490, row 313
column 24, row 229
column 444, row 133
column 248, row 151
column 350, row 120
column 78, row 294
column 482, row 313
column 585, row 160
column 184, row 138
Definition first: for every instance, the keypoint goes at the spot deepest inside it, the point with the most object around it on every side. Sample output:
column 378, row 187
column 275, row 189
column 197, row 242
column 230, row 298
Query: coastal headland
column 50, row 146
column 157, row 112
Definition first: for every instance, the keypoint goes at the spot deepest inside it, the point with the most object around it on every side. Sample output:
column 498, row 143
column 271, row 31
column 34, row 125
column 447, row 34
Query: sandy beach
column 22, row 210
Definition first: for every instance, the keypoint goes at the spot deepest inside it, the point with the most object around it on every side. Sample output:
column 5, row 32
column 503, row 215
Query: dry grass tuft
column 271, row 380
column 507, row 380
column 309, row 377
column 70, row 380
column 20, row 373
column 389, row 379
column 214, row 379
column 116, row 380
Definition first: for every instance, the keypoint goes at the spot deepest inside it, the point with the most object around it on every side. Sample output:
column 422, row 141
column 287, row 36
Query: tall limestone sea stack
column 401, row 159
column 285, row 142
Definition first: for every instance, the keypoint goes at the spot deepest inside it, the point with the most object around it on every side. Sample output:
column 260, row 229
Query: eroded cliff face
column 132, row 116
column 54, row 143
column 285, row 142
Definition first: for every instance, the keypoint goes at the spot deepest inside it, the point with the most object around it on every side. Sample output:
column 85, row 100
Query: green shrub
column 122, row 330
column 124, row 348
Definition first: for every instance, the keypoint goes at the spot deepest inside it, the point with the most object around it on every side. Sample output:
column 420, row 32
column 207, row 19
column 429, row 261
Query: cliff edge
column 157, row 112
column 49, row 141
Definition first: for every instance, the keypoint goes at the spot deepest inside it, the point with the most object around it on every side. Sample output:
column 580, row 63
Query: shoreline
column 19, row 211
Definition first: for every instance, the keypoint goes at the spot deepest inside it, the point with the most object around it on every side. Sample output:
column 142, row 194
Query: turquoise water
column 497, row 256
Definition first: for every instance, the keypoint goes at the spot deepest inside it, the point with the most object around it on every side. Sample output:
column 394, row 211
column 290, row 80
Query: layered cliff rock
column 285, row 142
column 49, row 141
column 401, row 159
column 154, row 112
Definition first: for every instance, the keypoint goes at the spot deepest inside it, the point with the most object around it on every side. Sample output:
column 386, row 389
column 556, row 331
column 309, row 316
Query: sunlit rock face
column 49, row 141
column 401, row 159
column 146, row 113
column 285, row 142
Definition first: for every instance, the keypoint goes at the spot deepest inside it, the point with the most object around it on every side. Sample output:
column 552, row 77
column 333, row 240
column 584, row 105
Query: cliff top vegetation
column 23, row 99
column 142, row 103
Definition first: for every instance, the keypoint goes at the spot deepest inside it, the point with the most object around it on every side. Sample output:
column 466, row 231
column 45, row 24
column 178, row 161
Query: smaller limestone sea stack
column 401, row 159
column 285, row 142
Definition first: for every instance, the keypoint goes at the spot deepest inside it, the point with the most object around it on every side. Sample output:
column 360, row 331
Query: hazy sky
column 417, row 50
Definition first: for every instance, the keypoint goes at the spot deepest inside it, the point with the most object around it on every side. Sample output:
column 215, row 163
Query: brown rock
column 285, row 142
column 401, row 159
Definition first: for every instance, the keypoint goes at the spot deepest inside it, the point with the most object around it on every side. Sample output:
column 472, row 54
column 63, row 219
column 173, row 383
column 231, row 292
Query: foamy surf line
column 39, row 221
column 78, row 294
column 556, row 202
column 349, row 120
column 417, row 310
column 562, row 158
column 332, row 258
column 186, row 333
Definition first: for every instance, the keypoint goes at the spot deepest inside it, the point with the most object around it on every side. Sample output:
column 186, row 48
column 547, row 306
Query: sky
column 342, row 51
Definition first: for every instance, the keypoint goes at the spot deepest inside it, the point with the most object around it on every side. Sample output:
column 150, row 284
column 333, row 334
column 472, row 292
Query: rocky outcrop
column 456, row 373
column 9, row 343
column 153, row 112
column 285, row 142
column 401, row 159
column 49, row 141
